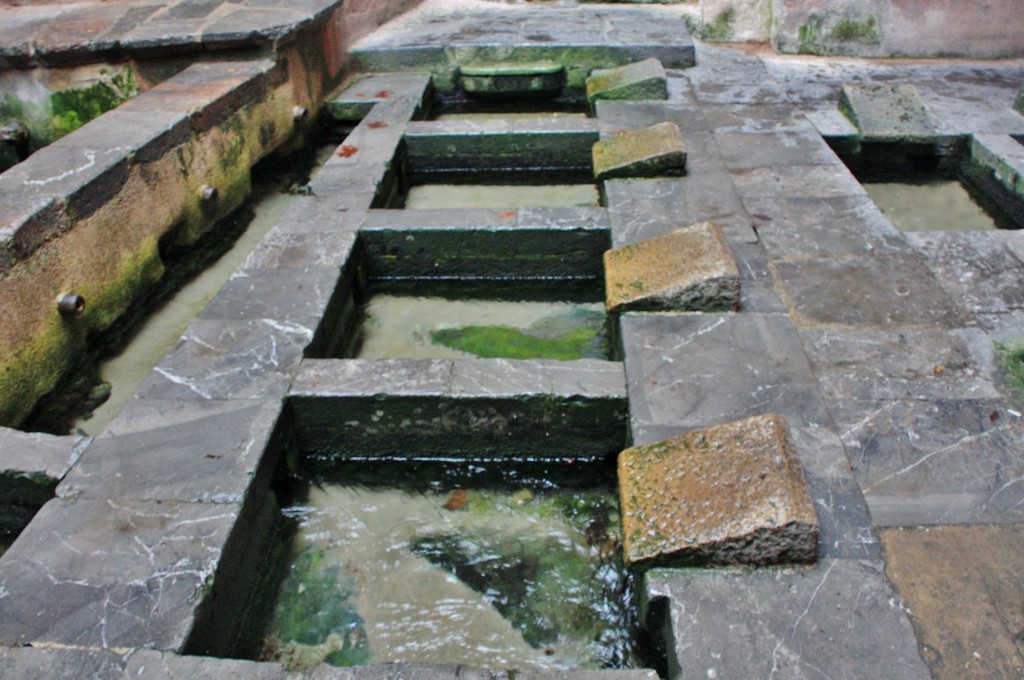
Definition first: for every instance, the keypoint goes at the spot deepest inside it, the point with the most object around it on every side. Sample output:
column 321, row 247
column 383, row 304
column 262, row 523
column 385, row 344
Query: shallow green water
column 517, row 578
column 433, row 327
column 929, row 205
column 158, row 334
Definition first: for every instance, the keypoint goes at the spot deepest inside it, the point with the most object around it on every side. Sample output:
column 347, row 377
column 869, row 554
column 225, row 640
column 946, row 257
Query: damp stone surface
column 729, row 494
column 650, row 152
column 690, row 269
column 641, row 80
column 887, row 113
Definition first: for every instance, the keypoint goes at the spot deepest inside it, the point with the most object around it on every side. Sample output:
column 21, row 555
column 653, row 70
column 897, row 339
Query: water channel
column 930, row 204
column 162, row 328
column 453, row 565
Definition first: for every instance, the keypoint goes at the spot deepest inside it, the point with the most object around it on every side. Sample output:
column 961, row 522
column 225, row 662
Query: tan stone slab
column 690, row 269
column 643, row 80
column 729, row 494
column 649, row 152
column 964, row 587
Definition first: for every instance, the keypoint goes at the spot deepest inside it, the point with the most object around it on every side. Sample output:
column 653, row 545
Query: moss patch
column 546, row 339
column 850, row 30
column 720, row 29
column 316, row 619
column 1011, row 366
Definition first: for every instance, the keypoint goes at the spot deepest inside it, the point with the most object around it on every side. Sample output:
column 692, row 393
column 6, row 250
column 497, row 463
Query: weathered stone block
column 887, row 113
column 496, row 79
column 641, row 80
column 689, row 269
column 1018, row 104
column 728, row 494
column 653, row 151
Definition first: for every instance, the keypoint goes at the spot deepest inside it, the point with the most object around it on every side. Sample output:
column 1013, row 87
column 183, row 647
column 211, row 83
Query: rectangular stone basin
column 530, row 255
column 453, row 512
column 946, row 184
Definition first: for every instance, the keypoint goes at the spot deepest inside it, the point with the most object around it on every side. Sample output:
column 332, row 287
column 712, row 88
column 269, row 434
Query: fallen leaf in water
column 456, row 500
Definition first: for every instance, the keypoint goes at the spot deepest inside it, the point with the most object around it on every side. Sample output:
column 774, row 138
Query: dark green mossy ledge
column 474, row 408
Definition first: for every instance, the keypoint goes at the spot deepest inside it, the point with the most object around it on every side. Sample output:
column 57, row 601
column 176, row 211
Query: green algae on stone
column 1010, row 357
column 851, row 30
column 316, row 618
column 503, row 342
column 642, row 80
column 650, row 152
column 721, row 28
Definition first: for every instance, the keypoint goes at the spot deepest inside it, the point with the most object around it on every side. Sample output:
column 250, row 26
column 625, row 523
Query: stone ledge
column 887, row 113
column 651, row 152
column 469, row 408
column 31, row 466
column 729, row 494
column 643, row 80
column 689, row 269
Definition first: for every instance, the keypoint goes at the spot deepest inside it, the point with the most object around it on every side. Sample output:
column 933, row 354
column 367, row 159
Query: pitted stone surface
column 980, row 569
column 650, row 152
column 699, row 370
column 121, row 574
column 730, row 494
column 840, row 618
column 887, row 113
column 640, row 80
column 689, row 269
column 190, row 450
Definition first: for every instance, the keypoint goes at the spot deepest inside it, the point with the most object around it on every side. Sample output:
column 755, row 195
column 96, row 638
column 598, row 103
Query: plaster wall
column 870, row 28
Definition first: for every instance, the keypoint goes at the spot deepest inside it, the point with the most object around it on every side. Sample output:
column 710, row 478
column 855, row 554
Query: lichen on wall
column 54, row 102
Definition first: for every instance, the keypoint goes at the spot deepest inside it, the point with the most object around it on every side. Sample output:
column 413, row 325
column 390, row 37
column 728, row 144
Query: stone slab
column 866, row 291
column 146, row 664
column 935, row 462
column 499, row 79
column 31, row 466
column 356, row 99
column 690, row 269
column 728, row 494
column 28, row 663
column 639, row 81
column 510, row 252
column 845, row 528
column 797, row 181
column 802, row 623
column 902, row 364
column 980, row 568
column 500, row 144
column 298, row 295
column 434, row 37
column 831, row 227
column 887, row 113
column 217, row 359
column 745, row 151
column 283, row 248
column 650, row 152
column 96, row 573
column 699, row 370
column 186, row 451
column 980, row 270
column 465, row 408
